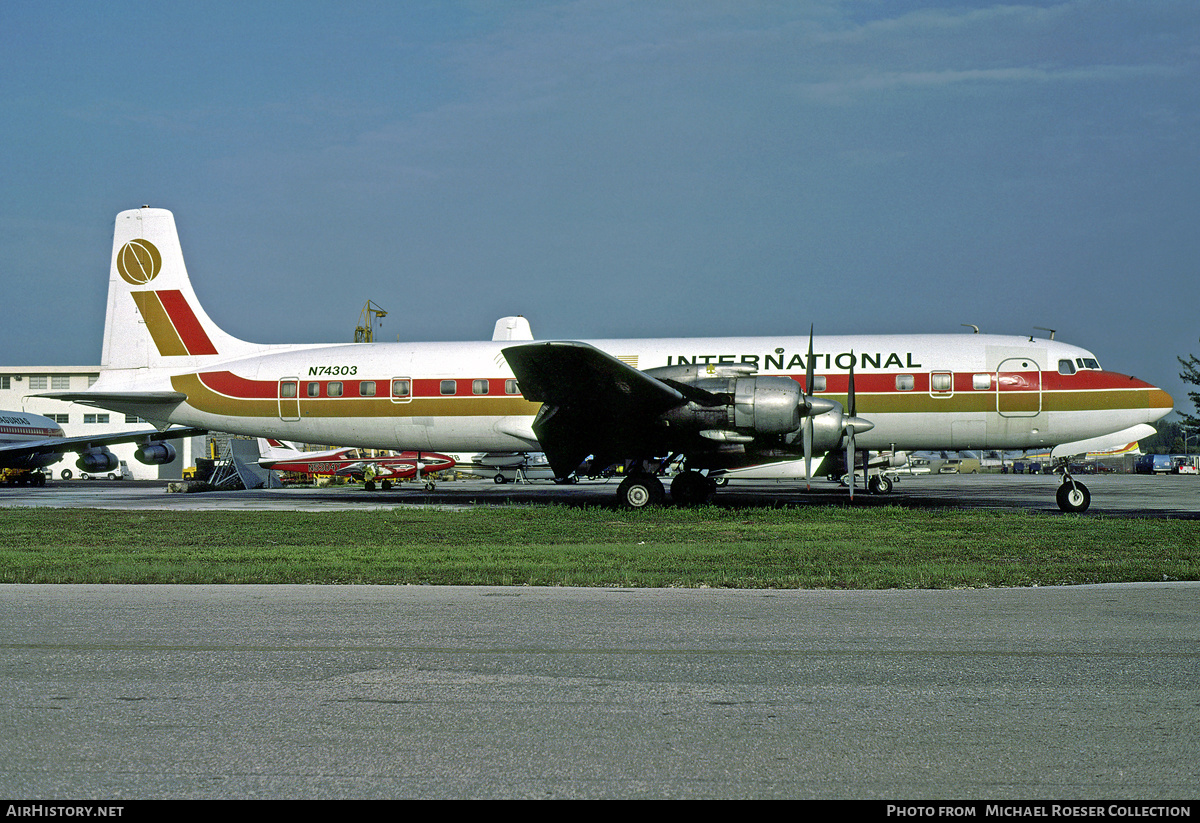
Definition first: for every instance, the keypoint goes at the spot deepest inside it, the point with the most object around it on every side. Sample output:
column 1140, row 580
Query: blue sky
column 612, row 169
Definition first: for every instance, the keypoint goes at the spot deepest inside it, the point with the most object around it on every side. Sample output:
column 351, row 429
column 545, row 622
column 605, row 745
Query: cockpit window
column 1066, row 367
column 1090, row 363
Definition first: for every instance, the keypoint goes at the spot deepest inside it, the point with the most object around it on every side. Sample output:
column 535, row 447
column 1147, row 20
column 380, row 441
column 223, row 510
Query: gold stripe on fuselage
column 205, row 399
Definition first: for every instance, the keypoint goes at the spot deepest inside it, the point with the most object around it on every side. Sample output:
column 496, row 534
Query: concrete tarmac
column 1075, row 693
column 1174, row 496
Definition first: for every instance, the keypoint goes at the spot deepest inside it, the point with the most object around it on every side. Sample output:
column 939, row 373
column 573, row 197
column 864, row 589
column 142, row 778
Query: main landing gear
column 642, row 489
column 637, row 491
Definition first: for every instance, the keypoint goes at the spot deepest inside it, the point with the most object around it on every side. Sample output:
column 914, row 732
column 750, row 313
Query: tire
column 65, row 474
column 880, row 485
column 1073, row 497
column 640, row 491
column 500, row 479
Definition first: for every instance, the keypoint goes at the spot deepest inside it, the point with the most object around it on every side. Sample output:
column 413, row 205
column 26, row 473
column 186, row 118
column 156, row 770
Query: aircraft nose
column 1159, row 403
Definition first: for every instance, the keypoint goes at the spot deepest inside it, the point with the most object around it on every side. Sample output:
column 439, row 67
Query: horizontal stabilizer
column 154, row 406
column 101, row 399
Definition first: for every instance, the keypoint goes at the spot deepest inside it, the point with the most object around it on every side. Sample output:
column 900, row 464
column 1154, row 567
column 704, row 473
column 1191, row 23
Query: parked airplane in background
column 721, row 403
column 350, row 462
column 505, row 467
column 881, row 473
column 29, row 442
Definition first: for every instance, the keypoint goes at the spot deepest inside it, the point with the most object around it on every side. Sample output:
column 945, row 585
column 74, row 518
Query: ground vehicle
column 122, row 472
column 1154, row 464
column 22, row 477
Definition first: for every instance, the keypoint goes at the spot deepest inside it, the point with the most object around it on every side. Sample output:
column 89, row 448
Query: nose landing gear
column 1072, row 496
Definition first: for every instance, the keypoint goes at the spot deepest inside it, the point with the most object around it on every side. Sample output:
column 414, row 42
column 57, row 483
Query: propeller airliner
column 718, row 402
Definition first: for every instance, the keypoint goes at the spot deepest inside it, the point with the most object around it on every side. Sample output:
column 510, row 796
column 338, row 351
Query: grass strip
column 788, row 547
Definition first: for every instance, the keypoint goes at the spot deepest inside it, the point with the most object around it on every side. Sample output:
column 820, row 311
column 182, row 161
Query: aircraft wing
column 60, row 445
column 592, row 403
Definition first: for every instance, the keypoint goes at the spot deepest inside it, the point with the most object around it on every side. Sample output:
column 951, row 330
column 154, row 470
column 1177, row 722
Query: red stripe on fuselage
column 231, row 385
column 883, row 383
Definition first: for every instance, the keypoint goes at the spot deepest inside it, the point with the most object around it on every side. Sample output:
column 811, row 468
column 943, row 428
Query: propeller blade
column 850, row 458
column 850, row 428
column 808, row 369
column 808, row 440
column 850, row 400
column 808, row 422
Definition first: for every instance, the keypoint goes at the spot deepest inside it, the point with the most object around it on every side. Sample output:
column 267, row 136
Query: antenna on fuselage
column 1042, row 328
column 971, row 326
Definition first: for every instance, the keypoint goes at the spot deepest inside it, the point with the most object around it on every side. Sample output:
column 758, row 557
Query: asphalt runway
column 1062, row 693
column 1174, row 496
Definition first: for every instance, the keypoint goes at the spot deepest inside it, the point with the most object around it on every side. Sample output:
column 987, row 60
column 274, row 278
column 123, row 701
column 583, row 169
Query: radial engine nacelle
column 153, row 454
column 726, row 404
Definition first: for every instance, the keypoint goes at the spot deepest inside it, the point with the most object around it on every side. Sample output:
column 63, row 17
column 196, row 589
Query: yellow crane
column 364, row 331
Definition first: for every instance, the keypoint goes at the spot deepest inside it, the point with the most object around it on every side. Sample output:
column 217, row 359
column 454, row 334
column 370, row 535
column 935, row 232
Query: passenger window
column 401, row 388
column 366, row 388
column 449, row 386
column 314, row 389
column 287, row 389
column 981, row 382
column 511, row 387
column 479, row 387
column 905, row 382
column 818, row 384
column 1066, row 367
column 941, row 382
column 335, row 389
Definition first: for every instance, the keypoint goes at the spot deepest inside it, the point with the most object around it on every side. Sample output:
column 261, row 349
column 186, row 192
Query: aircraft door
column 1019, row 388
column 289, row 398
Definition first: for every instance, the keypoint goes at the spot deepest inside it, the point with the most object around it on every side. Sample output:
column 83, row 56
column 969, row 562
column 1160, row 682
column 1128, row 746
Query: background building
column 19, row 384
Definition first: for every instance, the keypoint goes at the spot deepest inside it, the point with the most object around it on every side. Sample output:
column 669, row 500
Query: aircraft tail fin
column 154, row 319
column 272, row 449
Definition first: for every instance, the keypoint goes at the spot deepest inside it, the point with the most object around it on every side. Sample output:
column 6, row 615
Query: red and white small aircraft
column 350, row 462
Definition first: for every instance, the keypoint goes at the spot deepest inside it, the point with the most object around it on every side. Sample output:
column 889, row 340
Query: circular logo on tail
column 139, row 262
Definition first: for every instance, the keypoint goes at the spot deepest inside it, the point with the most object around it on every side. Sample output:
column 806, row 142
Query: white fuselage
column 919, row 391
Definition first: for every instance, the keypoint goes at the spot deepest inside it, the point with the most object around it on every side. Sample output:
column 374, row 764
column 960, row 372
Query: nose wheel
column 1073, row 496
